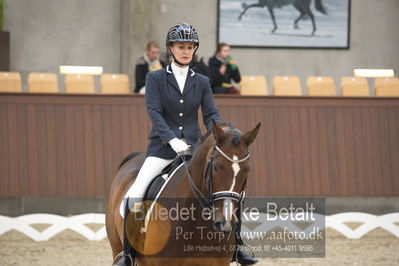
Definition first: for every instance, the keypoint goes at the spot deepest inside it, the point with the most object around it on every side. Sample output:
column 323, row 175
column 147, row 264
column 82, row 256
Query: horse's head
column 228, row 167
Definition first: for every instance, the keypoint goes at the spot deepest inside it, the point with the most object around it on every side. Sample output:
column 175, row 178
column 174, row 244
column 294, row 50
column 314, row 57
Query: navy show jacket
column 175, row 114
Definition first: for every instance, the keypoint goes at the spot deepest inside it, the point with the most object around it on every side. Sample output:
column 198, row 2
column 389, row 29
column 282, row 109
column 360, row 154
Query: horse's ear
column 218, row 132
column 250, row 136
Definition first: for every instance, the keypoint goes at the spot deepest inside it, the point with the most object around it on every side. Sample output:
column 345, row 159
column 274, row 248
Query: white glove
column 178, row 146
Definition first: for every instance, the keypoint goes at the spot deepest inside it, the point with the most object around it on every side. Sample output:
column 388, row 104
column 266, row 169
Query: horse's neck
column 199, row 160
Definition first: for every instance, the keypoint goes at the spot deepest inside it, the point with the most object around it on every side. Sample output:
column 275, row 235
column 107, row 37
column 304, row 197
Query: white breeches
column 152, row 167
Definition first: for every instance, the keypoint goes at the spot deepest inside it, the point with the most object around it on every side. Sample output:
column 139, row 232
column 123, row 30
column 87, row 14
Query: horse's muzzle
column 225, row 227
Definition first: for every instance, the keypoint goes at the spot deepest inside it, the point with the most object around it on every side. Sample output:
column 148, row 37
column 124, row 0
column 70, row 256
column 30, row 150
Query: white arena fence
column 78, row 224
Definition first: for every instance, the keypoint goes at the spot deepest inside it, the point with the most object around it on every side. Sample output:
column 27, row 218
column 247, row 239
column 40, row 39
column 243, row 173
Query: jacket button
column 180, row 128
column 181, row 114
column 181, row 101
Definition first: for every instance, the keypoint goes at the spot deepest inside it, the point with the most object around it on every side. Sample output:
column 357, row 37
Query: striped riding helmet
column 182, row 32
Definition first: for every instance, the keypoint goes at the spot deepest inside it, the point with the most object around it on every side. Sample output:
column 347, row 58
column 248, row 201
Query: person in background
column 223, row 69
column 148, row 62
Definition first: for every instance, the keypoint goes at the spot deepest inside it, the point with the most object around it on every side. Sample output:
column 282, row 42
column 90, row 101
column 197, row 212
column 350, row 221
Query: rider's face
column 183, row 51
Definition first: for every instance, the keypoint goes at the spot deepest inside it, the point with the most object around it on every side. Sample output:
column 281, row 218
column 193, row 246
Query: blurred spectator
column 148, row 62
column 223, row 70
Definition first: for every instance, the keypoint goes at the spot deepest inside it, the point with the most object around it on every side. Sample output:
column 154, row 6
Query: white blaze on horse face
column 236, row 169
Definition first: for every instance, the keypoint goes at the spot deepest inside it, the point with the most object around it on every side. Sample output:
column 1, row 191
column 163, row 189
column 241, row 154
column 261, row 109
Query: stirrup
column 123, row 254
column 242, row 258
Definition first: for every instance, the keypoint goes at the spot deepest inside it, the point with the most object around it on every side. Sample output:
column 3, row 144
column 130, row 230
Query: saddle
column 157, row 183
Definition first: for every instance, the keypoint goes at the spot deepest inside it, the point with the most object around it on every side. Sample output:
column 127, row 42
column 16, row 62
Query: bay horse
column 303, row 6
column 215, row 177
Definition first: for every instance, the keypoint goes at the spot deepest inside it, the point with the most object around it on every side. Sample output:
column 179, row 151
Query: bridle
column 209, row 200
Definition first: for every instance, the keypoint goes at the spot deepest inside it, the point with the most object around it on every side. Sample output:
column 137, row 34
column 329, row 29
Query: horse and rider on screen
column 303, row 6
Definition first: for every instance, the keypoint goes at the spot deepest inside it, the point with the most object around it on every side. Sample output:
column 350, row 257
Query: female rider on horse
column 173, row 96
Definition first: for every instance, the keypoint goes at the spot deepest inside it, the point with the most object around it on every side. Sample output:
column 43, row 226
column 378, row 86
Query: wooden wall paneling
column 282, row 151
column 14, row 185
column 80, row 186
column 51, row 149
column 141, row 127
column 31, row 128
column 89, row 152
column 70, row 151
column 324, row 161
column 314, row 150
column 297, row 154
column 116, row 135
column 367, row 131
column 275, row 170
column 343, row 156
column 332, row 152
column 61, row 150
column 99, row 155
column 274, row 134
column 231, row 115
column 116, row 142
column 258, row 150
column 246, row 117
column 41, row 137
column 350, row 148
column 4, row 156
column 22, row 162
column 385, row 151
column 305, row 141
column 358, row 151
column 108, row 167
column 71, row 145
column 263, row 159
column 287, row 151
column 393, row 115
column 225, row 113
column 323, row 151
column 376, row 153
column 127, row 146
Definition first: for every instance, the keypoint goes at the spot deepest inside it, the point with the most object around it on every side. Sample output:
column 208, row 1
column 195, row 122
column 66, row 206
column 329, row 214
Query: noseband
column 209, row 201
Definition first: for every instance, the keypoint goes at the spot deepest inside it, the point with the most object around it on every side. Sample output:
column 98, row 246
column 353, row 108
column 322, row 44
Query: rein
column 204, row 201
column 209, row 201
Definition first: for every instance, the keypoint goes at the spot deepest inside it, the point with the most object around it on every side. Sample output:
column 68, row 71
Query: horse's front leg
column 297, row 20
column 305, row 10
column 246, row 7
column 270, row 8
column 313, row 23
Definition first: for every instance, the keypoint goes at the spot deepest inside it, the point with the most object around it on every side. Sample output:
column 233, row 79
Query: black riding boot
column 244, row 259
column 126, row 258
column 239, row 255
